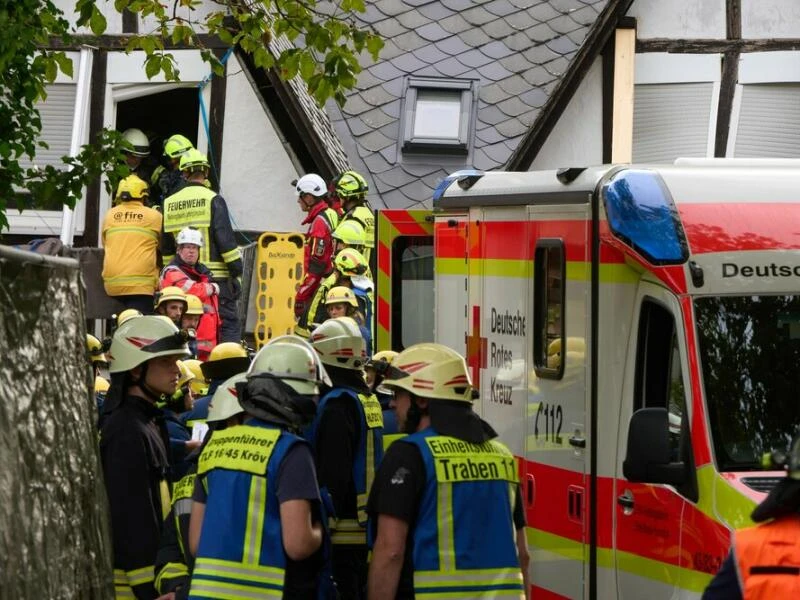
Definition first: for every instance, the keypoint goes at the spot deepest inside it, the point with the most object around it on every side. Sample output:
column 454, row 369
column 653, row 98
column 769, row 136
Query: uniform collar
column 314, row 211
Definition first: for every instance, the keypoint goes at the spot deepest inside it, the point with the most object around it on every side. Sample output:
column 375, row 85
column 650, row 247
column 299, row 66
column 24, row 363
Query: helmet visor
column 176, row 342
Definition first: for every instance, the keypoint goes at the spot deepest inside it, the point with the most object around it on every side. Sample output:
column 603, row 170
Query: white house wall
column 577, row 138
column 683, row 18
column 113, row 18
column 770, row 19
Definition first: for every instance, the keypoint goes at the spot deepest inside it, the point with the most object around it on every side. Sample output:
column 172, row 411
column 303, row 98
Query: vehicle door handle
column 577, row 441
column 626, row 500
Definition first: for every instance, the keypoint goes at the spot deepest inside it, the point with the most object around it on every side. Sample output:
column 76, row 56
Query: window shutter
column 769, row 121
column 57, row 113
column 671, row 120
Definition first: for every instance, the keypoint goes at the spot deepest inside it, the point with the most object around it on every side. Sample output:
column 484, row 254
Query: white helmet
column 225, row 401
column 312, row 184
column 139, row 141
column 293, row 360
column 339, row 344
column 188, row 235
column 138, row 340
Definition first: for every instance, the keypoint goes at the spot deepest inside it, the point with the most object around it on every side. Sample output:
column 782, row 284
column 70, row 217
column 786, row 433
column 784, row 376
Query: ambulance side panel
column 451, row 319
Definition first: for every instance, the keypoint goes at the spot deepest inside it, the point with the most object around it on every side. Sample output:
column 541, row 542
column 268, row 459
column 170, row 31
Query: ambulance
column 634, row 333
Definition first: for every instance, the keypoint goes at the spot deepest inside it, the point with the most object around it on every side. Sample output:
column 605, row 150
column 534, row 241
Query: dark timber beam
column 97, row 100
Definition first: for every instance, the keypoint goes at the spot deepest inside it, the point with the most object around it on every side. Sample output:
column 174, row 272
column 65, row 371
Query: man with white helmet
column 186, row 272
column 256, row 481
column 347, row 436
column 446, row 518
column 136, row 151
column 321, row 221
column 134, row 445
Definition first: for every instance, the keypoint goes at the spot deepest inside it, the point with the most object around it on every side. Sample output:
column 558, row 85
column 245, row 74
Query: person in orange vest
column 764, row 561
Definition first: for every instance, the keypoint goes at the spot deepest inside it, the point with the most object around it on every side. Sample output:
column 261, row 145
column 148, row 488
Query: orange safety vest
column 768, row 559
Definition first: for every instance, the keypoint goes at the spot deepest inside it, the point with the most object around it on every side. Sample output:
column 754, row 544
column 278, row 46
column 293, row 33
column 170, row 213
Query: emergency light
column 641, row 213
column 466, row 178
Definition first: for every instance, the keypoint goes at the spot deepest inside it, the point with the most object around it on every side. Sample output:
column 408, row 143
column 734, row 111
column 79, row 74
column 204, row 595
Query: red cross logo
column 476, row 348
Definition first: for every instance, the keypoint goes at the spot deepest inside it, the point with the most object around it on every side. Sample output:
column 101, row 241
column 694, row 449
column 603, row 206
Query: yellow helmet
column 198, row 383
column 95, row 349
column 101, row 385
column 170, row 292
column 351, row 232
column 350, row 262
column 339, row 343
column 432, row 371
column 192, row 160
column 186, row 376
column 341, row 294
column 384, row 356
column 226, row 360
column 128, row 313
column 177, row 145
column 194, row 306
column 132, row 188
column 225, row 401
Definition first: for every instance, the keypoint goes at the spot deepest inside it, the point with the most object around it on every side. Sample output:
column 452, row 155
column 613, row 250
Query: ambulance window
column 549, row 278
column 412, row 291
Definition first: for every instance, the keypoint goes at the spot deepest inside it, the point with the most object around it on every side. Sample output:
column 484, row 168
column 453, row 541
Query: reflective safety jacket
column 768, row 559
column 174, row 562
column 198, row 207
column 130, row 238
column 318, row 253
column 366, row 217
column 241, row 551
column 196, row 280
column 464, row 538
column 347, row 530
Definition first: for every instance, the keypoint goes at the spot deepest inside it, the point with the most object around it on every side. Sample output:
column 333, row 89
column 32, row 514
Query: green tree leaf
column 97, row 23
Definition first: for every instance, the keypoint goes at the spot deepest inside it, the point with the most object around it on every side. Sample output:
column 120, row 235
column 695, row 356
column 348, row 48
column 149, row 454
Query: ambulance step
column 761, row 484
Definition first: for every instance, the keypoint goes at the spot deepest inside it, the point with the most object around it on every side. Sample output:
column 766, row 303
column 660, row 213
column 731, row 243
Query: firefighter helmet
column 137, row 140
column 101, row 385
column 311, row 184
column 192, row 160
column 132, row 188
column 339, row 343
column 168, row 293
column 186, row 376
column 138, row 340
column 194, row 306
column 341, row 294
column 350, row 232
column 128, row 313
column 187, row 235
column 432, row 371
column 225, row 401
column 198, row 385
column 95, row 349
column 351, row 263
column 351, row 185
column 177, row 145
column 226, row 360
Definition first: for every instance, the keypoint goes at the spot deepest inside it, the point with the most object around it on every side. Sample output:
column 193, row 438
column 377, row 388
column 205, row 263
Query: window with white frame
column 437, row 115
column 675, row 106
column 765, row 121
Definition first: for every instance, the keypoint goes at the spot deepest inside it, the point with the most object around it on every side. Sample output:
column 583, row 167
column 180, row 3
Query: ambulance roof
column 706, row 181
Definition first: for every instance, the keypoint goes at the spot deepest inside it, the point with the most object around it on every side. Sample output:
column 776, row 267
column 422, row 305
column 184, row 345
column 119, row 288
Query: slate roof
column 517, row 50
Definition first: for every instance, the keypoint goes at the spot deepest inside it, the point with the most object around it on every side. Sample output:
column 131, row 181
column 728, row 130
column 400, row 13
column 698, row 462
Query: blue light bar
column 465, row 177
column 642, row 214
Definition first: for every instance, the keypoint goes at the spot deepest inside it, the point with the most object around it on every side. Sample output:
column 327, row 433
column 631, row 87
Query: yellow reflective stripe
column 123, row 593
column 166, row 502
column 228, row 591
column 131, row 279
column 143, row 230
column 391, row 438
column 362, row 498
column 141, row 576
column 232, row 570
column 444, row 516
column 170, row 570
column 254, row 527
column 488, row 594
column 231, row 255
column 474, row 577
column 347, row 531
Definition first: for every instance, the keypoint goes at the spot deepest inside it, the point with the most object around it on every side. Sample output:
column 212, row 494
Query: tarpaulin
column 54, row 533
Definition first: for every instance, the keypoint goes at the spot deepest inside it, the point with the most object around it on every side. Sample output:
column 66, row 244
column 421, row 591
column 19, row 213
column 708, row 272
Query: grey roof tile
column 371, row 14
column 397, row 199
column 516, row 63
column 474, row 59
column 558, row 66
column 541, row 33
column 355, row 105
column 389, row 50
column 482, row 161
column 393, row 87
column 492, row 93
column 539, row 54
column 457, row 5
column 489, row 135
column 585, row 15
column 389, row 28
column 409, row 41
column 415, row 189
column 385, row 71
column 496, row 50
column 497, row 152
column 451, row 67
column 577, row 36
column 429, row 71
column 498, row 29
column 520, row 21
column 376, row 118
column 494, row 71
column 389, row 154
column 376, row 163
column 491, row 115
column 477, row 15
column 421, row 168
column 376, row 96
column 408, row 63
column 565, row 6
column 513, row 107
column 412, row 19
column 392, row 7
column 563, row 24
column 542, row 12
column 430, row 54
column 534, row 97
column 474, row 37
column 395, row 178
column 452, row 46
column 366, row 80
column 513, row 127
column 518, row 41
column 358, row 127
column 419, row 3
column 436, row 11
column 513, row 86
column 537, row 76
column 433, row 32
column 391, row 129
column 523, row 4
column 501, row 8
column 392, row 108
column 455, row 24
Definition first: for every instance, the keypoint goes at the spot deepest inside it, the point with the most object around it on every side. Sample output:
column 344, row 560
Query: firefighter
column 198, row 385
column 352, row 188
column 171, row 303
column 429, row 519
column 191, row 319
column 130, row 237
column 318, row 253
column 764, row 561
column 376, row 368
column 341, row 302
column 97, row 357
column 181, row 443
column 224, row 361
column 198, row 207
column 126, row 314
column 193, row 277
column 256, row 481
column 174, row 562
column 134, row 446
column 137, row 152
column 166, row 180
column 348, row 445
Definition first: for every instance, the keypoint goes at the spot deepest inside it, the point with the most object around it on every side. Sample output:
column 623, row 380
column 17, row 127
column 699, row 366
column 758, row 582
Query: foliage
column 329, row 45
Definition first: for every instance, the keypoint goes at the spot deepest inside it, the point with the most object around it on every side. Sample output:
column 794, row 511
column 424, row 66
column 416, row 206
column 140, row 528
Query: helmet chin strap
column 141, row 383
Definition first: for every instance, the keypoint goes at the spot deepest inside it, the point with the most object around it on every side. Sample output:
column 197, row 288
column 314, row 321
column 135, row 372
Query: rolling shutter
column 769, row 121
column 57, row 113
